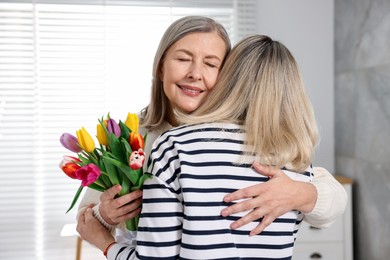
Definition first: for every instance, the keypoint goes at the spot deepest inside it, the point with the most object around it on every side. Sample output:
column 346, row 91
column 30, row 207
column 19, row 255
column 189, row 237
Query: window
column 63, row 64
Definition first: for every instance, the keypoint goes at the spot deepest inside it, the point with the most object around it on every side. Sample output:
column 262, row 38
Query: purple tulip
column 70, row 142
column 88, row 174
column 113, row 127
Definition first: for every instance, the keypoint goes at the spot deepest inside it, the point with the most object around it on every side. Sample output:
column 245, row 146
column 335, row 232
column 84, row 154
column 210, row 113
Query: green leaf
column 125, row 130
column 96, row 187
column 109, row 154
column 130, row 224
column 145, row 136
column 111, row 171
column 141, row 181
column 99, row 182
column 128, row 149
column 125, row 187
column 102, row 166
column 106, row 180
column 139, row 173
column 76, row 196
column 93, row 158
column 127, row 146
column 116, row 147
column 136, row 221
column 84, row 160
column 126, row 170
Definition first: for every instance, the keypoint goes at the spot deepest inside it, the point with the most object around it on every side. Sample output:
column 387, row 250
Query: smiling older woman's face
column 190, row 69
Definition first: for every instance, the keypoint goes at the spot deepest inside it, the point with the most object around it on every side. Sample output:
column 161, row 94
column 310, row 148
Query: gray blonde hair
column 262, row 89
column 159, row 109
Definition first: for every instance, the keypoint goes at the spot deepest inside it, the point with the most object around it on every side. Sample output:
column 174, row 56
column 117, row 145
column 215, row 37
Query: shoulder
column 203, row 129
column 197, row 135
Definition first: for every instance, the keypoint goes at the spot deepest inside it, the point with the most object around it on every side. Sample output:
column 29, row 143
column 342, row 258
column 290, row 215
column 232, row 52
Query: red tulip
column 136, row 141
column 69, row 166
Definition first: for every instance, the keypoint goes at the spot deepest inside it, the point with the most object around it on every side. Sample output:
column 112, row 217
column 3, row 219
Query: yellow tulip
column 132, row 122
column 101, row 135
column 85, row 140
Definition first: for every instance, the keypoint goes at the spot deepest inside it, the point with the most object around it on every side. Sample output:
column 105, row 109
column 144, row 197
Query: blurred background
column 64, row 64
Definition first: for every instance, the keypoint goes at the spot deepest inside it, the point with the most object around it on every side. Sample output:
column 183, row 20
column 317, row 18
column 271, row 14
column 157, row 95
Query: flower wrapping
column 118, row 159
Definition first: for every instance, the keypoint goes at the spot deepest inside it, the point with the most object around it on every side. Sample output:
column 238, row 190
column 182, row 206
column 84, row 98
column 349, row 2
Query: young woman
column 266, row 116
column 187, row 63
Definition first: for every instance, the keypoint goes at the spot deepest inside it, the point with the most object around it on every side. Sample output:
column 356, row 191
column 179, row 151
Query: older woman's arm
column 322, row 200
column 331, row 199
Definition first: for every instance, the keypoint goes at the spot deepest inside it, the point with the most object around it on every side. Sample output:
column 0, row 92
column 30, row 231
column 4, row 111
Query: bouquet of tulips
column 118, row 159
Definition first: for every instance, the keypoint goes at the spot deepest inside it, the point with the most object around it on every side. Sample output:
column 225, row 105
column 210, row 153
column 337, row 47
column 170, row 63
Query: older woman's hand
column 271, row 199
column 91, row 230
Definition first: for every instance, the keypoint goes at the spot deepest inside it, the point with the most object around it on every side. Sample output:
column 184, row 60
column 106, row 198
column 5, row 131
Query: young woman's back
column 195, row 167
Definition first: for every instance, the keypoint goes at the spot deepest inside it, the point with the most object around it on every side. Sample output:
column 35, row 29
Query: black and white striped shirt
column 194, row 167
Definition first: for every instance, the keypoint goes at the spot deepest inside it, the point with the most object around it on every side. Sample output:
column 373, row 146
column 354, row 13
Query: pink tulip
column 88, row 174
column 70, row 142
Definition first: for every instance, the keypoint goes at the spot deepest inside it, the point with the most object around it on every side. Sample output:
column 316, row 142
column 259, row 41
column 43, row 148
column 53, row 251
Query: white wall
column 306, row 27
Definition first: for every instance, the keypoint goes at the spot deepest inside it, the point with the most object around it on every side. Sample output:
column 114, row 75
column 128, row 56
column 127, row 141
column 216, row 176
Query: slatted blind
column 64, row 64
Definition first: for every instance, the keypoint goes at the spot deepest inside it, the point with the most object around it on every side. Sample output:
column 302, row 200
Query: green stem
column 130, row 225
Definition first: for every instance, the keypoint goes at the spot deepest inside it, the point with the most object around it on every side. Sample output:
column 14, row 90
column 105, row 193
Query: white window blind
column 63, row 65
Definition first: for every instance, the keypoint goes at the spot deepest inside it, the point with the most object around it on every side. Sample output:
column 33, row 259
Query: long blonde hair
column 159, row 109
column 260, row 87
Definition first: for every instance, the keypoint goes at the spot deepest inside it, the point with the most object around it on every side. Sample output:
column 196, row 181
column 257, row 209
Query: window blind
column 63, row 65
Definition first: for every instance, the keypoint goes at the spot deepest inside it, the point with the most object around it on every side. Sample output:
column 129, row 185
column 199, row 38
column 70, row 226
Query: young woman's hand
column 271, row 199
column 115, row 210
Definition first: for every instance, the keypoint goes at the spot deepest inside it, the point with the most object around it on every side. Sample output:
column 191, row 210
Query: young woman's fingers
column 130, row 215
column 110, row 193
column 128, row 198
column 128, row 211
